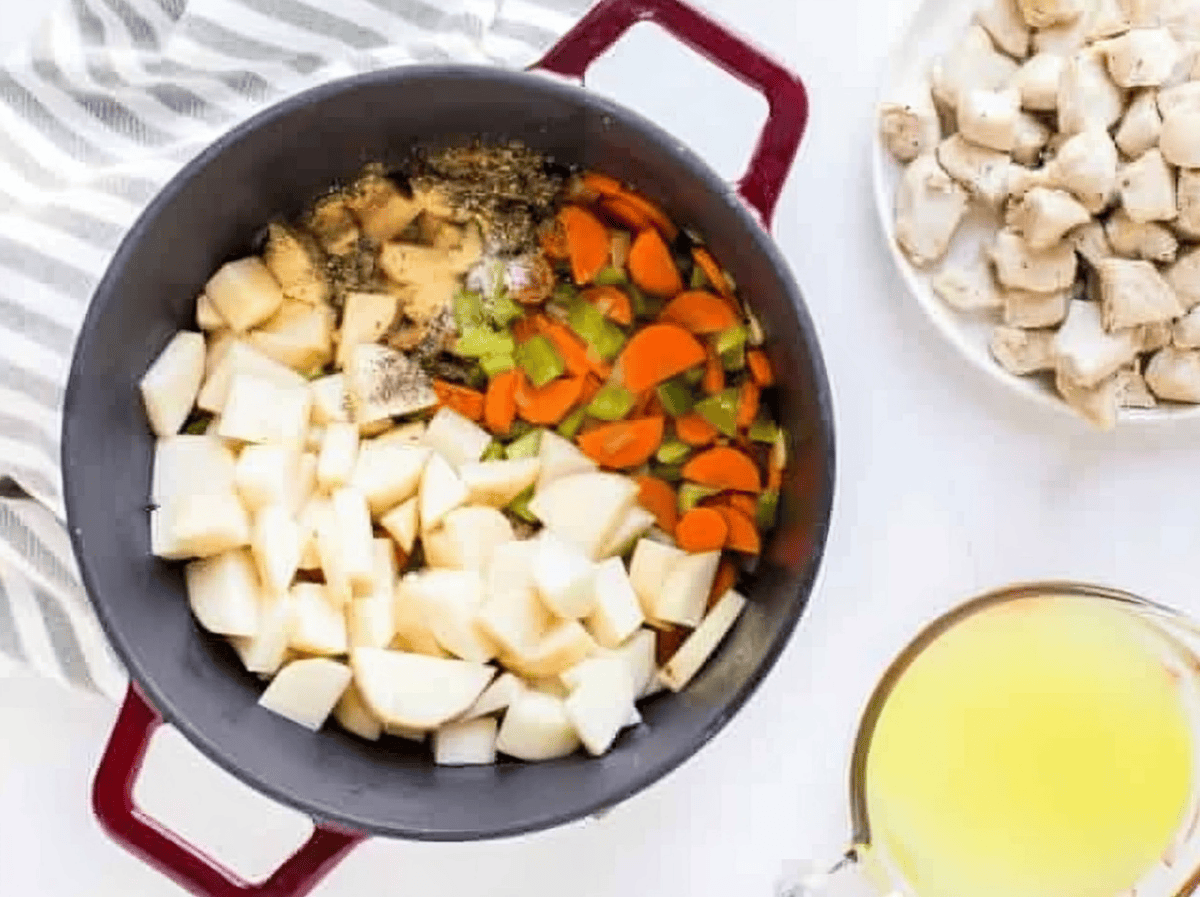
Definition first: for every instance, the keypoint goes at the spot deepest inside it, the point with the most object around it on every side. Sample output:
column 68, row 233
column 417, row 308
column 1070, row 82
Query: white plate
column 935, row 28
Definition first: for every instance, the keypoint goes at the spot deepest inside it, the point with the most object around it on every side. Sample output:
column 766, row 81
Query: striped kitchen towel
column 105, row 104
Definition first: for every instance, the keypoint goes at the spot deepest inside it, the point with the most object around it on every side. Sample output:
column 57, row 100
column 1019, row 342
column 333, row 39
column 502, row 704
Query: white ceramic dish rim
column 916, row 50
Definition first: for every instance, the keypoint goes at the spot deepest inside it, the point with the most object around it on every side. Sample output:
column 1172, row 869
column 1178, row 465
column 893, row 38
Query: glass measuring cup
column 1038, row 740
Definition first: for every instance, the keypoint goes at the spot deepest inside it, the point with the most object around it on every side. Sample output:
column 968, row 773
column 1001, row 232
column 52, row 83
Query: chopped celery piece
column 503, row 311
column 644, row 306
column 676, row 397
column 612, row 402
column 768, row 510
column 468, row 310
column 693, row 376
column 519, row 429
column 494, row 452
column 496, row 364
column 672, row 452
column 198, row 426
column 540, row 360
column 699, row 281
column 597, row 331
column 564, row 294
column 569, row 428
column 691, row 494
column 763, row 430
column 476, row 342
column 731, row 339
column 720, row 410
column 519, row 507
column 671, row 473
column 526, row 446
column 611, row 277
column 734, row 359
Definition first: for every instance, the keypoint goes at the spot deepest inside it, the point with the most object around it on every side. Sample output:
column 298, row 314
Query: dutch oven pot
column 270, row 166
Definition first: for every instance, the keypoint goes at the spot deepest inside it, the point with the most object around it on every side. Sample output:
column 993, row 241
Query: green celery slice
column 467, row 308
column 720, row 410
column 526, row 446
column 597, row 331
column 734, row 360
column 693, row 376
column 672, row 452
column 612, row 402
column 611, row 277
column 494, row 452
column 763, row 430
column 569, row 428
column 519, row 506
column 767, row 510
column 540, row 360
column 496, row 364
column 691, row 494
column 731, row 338
column 699, row 281
column 503, row 311
column 476, row 342
column 644, row 305
column 671, row 473
column 676, row 397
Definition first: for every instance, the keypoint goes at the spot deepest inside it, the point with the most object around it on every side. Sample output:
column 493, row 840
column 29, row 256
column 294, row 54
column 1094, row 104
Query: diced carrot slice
column 725, row 580
column 500, row 402
column 651, row 265
column 623, row 444
column 702, row 529
column 700, row 312
column 466, row 401
column 747, row 404
column 550, row 404
column 658, row 497
column 612, row 302
column 714, row 373
column 716, row 277
column 742, row 533
column 657, row 353
column 587, row 242
column 760, row 368
column 695, row 430
column 723, row 467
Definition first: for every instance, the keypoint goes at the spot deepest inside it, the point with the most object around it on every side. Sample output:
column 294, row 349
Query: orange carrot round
column 611, row 301
column 723, row 467
column 600, row 184
column 743, row 534
column 651, row 265
column 657, row 353
column 725, row 580
column 716, row 277
column 701, row 529
column 500, row 403
column 760, row 368
column 587, row 242
column 658, row 497
column 623, row 444
column 625, row 213
column 714, row 374
column 738, row 501
column 550, row 404
column 700, row 312
column 747, row 404
column 573, row 350
column 695, row 430
column 466, row 401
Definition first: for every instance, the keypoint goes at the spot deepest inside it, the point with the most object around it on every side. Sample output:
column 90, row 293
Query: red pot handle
column 192, row 869
column 787, row 100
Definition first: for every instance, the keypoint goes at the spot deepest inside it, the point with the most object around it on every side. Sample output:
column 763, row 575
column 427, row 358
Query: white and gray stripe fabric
column 105, row 104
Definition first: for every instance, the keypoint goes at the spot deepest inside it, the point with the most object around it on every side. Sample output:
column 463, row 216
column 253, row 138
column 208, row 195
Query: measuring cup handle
column 787, row 100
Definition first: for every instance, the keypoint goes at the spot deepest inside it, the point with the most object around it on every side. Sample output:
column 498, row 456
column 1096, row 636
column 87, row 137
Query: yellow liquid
column 1036, row 749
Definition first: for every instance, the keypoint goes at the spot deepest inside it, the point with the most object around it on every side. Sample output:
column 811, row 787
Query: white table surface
column 946, row 486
